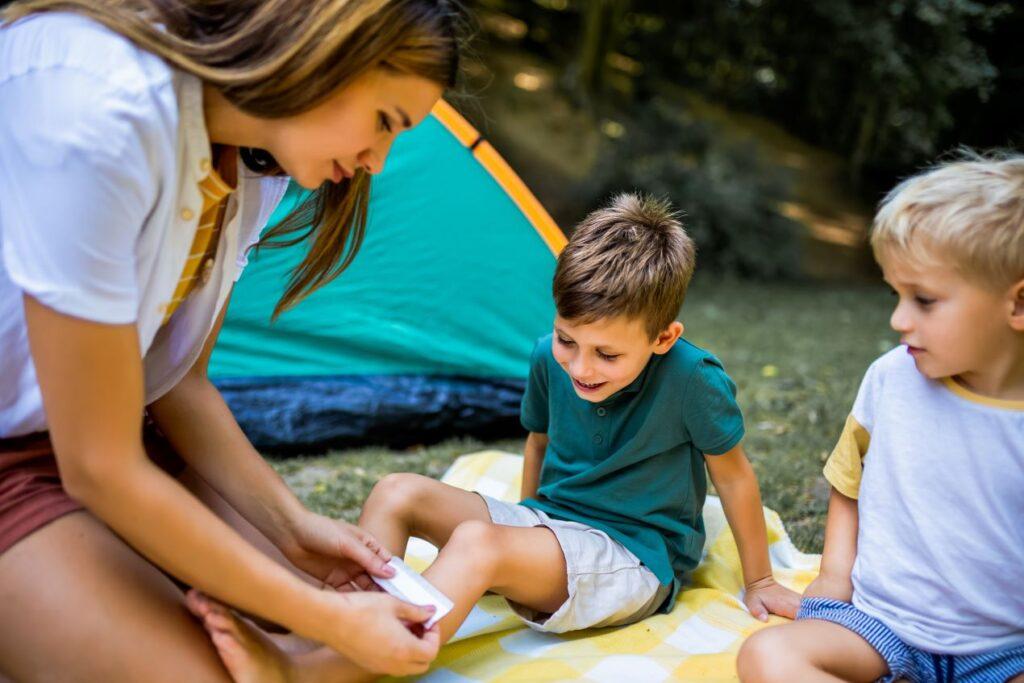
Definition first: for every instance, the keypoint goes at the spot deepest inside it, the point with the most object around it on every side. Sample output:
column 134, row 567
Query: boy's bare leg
column 808, row 650
column 524, row 564
column 404, row 505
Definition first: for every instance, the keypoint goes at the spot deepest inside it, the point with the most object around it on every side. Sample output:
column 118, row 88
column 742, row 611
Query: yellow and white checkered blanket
column 697, row 641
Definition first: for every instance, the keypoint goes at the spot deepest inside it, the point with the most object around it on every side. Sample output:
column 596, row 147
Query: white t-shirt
column 102, row 147
column 940, row 547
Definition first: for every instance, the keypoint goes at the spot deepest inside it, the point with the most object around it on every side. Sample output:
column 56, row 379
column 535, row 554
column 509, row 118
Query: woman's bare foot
column 249, row 655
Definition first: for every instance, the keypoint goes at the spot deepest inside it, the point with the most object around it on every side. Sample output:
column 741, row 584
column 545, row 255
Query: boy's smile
column 606, row 355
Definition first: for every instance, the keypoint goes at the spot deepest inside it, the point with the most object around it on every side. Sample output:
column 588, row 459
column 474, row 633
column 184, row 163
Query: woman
column 144, row 145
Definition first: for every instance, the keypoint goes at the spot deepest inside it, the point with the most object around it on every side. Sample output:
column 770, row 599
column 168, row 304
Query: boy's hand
column 765, row 596
column 830, row 586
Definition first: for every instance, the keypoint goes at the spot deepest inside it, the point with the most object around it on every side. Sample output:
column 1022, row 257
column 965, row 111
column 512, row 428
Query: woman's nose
column 372, row 159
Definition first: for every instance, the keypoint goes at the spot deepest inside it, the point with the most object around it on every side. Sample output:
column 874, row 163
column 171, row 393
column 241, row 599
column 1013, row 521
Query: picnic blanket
column 696, row 641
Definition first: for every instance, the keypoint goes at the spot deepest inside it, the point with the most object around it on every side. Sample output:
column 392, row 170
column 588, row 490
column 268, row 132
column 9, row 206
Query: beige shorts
column 607, row 584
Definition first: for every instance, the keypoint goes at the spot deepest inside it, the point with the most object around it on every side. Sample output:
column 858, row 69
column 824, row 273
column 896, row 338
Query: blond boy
column 924, row 544
column 623, row 416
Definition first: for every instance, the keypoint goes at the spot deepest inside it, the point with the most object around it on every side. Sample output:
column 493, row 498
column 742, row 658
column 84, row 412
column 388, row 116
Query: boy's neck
column 1002, row 378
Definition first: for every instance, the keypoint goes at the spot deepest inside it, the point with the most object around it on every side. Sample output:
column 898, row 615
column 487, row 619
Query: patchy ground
column 796, row 352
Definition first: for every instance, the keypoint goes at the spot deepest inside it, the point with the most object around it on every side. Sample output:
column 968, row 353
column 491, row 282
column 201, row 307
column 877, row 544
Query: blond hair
column 968, row 212
column 278, row 58
column 632, row 259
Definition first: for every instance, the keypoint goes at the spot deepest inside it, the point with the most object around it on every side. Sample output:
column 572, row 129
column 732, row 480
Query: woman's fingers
column 430, row 643
column 386, row 619
column 363, row 582
column 357, row 549
column 422, row 648
column 371, row 542
column 417, row 614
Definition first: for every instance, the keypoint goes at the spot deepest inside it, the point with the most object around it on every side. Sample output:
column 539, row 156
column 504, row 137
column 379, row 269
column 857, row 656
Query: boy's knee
column 399, row 492
column 477, row 543
column 761, row 658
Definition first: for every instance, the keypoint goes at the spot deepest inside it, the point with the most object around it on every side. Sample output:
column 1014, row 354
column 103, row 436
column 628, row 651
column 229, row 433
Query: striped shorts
column 910, row 663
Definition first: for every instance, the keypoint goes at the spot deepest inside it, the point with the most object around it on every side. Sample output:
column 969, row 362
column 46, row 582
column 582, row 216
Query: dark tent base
column 313, row 414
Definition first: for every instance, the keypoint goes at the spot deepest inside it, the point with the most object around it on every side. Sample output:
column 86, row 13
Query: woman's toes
column 197, row 603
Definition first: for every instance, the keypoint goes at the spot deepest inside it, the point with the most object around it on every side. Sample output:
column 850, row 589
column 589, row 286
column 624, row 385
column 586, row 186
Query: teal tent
column 427, row 334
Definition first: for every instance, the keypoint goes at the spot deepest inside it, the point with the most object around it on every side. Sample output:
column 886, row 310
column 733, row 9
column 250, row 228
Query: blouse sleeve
column 75, row 189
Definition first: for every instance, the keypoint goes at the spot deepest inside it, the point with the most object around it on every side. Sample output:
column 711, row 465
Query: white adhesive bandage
column 409, row 586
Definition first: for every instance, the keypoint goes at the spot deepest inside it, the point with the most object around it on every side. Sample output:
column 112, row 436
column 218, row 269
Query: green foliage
column 879, row 82
column 727, row 196
column 871, row 80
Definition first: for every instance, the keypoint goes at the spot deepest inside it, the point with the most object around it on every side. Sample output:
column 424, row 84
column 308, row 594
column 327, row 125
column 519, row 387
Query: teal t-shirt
column 633, row 464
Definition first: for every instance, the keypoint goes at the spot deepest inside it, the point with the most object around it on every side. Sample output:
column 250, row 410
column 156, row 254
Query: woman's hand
column 375, row 633
column 765, row 596
column 336, row 552
column 828, row 585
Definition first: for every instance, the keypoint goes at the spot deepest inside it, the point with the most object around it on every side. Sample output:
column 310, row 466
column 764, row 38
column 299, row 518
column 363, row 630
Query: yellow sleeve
column 844, row 466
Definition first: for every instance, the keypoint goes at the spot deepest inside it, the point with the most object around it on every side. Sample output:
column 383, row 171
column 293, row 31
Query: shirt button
column 602, row 412
column 598, row 438
column 204, row 165
column 186, row 214
column 206, row 270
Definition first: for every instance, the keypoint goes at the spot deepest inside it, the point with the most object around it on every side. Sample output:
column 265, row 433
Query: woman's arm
column 533, row 458
column 198, row 423
column 91, row 379
column 736, row 484
column 200, row 426
column 840, row 551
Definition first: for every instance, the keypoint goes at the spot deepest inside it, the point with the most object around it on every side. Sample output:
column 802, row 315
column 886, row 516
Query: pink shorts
column 31, row 493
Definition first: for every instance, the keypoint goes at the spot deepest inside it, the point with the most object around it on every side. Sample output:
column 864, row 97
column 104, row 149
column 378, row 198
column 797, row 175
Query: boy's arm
column 840, row 550
column 533, row 458
column 736, row 484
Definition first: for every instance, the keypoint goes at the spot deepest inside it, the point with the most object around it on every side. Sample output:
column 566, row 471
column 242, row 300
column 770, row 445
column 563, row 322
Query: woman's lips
column 587, row 388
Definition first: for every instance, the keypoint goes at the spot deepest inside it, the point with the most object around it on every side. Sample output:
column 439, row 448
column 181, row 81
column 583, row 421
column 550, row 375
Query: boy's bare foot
column 248, row 654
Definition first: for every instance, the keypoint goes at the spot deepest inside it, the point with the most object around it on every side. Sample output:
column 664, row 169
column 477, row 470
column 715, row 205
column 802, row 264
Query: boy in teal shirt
column 623, row 417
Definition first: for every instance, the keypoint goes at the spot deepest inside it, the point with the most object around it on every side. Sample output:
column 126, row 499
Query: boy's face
column 606, row 355
column 951, row 326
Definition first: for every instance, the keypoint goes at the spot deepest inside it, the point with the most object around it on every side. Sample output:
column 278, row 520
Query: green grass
column 796, row 352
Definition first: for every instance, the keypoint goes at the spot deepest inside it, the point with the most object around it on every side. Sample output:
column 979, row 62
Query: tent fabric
column 697, row 641
column 310, row 414
column 448, row 293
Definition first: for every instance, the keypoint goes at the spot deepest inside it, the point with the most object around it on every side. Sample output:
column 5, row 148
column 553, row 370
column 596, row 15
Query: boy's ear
column 1017, row 302
column 668, row 337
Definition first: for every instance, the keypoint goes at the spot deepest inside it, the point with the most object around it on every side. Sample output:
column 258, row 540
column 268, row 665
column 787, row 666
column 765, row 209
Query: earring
column 258, row 160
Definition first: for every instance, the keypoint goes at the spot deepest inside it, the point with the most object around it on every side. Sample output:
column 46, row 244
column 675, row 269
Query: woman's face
column 353, row 129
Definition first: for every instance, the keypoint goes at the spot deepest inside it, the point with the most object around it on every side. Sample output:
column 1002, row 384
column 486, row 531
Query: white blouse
column 102, row 148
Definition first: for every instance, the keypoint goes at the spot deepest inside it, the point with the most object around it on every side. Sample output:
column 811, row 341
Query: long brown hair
column 277, row 58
